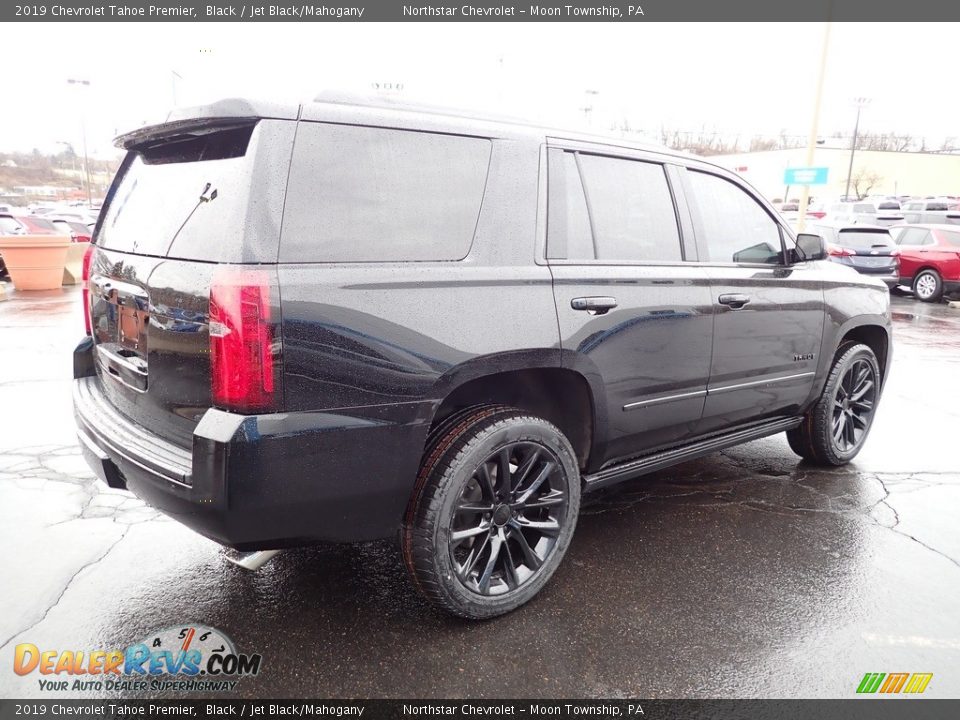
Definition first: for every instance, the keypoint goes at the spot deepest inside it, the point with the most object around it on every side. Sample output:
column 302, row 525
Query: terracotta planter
column 35, row 262
column 73, row 270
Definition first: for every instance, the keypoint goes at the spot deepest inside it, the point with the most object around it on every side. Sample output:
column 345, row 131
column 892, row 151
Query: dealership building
column 893, row 173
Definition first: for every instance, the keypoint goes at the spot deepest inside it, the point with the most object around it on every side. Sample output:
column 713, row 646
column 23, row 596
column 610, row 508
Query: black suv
column 342, row 321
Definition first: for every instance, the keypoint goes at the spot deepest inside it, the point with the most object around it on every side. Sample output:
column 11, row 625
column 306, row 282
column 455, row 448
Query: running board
column 666, row 458
column 250, row 560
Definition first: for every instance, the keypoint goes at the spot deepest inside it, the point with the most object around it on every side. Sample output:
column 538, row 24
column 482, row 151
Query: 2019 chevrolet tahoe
column 343, row 321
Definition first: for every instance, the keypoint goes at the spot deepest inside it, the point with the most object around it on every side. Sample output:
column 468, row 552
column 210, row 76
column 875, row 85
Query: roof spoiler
column 202, row 119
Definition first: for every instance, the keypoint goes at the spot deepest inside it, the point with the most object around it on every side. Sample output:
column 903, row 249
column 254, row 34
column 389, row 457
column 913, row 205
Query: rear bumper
column 264, row 481
column 890, row 278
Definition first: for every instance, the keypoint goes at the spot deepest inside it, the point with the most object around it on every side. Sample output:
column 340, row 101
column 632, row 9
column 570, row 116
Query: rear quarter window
column 361, row 194
column 952, row 237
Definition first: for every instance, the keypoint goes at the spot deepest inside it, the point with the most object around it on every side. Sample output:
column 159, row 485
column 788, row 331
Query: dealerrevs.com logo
column 894, row 683
column 186, row 658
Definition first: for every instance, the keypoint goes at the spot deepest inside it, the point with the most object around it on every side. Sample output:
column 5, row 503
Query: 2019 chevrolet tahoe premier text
column 343, row 321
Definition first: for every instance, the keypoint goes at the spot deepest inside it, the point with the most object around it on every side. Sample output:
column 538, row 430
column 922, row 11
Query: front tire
column 928, row 286
column 492, row 513
column 835, row 429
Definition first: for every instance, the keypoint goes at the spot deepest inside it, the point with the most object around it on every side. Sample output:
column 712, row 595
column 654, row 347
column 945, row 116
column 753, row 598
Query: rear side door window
column 362, row 194
column 915, row 236
column 736, row 227
column 610, row 210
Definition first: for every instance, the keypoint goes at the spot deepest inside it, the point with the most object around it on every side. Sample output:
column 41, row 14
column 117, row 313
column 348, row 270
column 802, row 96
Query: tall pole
column 86, row 160
column 83, row 132
column 861, row 102
column 814, row 123
column 174, row 76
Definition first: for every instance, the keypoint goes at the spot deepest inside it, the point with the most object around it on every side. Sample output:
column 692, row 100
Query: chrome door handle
column 734, row 300
column 594, row 305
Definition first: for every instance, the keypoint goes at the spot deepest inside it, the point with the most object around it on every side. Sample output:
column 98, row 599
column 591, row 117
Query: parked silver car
column 857, row 213
column 935, row 210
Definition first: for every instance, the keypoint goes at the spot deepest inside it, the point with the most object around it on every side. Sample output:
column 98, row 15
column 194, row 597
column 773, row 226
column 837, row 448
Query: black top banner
column 918, row 709
column 479, row 11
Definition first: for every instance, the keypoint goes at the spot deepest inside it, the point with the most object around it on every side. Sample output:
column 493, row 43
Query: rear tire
column 492, row 513
column 928, row 286
column 835, row 429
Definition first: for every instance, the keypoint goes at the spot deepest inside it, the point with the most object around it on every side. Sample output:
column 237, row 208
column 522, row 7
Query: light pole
column 812, row 138
column 174, row 76
column 83, row 132
column 861, row 102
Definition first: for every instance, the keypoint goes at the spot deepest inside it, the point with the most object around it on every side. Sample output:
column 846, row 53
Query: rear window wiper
column 208, row 194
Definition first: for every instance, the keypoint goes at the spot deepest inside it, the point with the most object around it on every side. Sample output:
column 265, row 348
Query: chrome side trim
column 766, row 381
column 665, row 399
column 712, row 390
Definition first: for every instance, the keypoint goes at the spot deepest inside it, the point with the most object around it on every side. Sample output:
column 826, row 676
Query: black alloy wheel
column 835, row 429
column 508, row 518
column 493, row 511
column 853, row 405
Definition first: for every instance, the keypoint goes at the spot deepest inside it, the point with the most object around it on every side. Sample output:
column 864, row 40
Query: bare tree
column 863, row 181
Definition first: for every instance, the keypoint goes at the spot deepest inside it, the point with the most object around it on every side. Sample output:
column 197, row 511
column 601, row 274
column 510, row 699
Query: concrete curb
column 955, row 304
column 3, row 291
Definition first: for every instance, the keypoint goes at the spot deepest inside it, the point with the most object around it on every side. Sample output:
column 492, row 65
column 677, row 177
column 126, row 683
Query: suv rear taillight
column 243, row 360
column 85, row 279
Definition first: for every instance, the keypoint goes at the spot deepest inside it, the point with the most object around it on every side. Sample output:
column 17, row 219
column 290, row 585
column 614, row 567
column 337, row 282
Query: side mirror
column 810, row 247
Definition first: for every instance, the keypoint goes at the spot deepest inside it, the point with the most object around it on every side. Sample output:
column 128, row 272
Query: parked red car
column 929, row 259
column 26, row 225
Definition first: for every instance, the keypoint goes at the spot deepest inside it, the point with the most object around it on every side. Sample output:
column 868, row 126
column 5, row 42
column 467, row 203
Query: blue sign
column 805, row 176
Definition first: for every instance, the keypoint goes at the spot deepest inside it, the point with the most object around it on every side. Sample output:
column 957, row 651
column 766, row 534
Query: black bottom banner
column 858, row 709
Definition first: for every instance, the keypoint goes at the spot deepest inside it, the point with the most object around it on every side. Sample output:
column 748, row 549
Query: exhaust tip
column 250, row 560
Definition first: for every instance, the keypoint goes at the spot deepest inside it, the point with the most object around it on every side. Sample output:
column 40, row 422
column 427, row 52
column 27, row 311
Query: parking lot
column 744, row 574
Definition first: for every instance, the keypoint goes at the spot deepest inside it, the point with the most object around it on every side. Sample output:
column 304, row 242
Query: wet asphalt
column 744, row 574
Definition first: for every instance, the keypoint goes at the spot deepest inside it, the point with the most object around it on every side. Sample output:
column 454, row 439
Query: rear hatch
column 888, row 213
column 194, row 210
column 869, row 250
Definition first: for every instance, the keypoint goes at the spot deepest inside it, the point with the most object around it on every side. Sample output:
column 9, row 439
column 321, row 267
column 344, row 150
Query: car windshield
column 862, row 239
column 888, row 206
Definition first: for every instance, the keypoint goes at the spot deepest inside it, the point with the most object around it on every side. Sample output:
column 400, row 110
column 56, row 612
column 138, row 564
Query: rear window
column 864, row 208
column 888, row 206
column 864, row 239
column 937, row 206
column 360, row 194
column 182, row 198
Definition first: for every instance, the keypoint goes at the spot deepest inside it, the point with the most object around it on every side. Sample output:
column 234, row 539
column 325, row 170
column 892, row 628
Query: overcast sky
column 748, row 78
